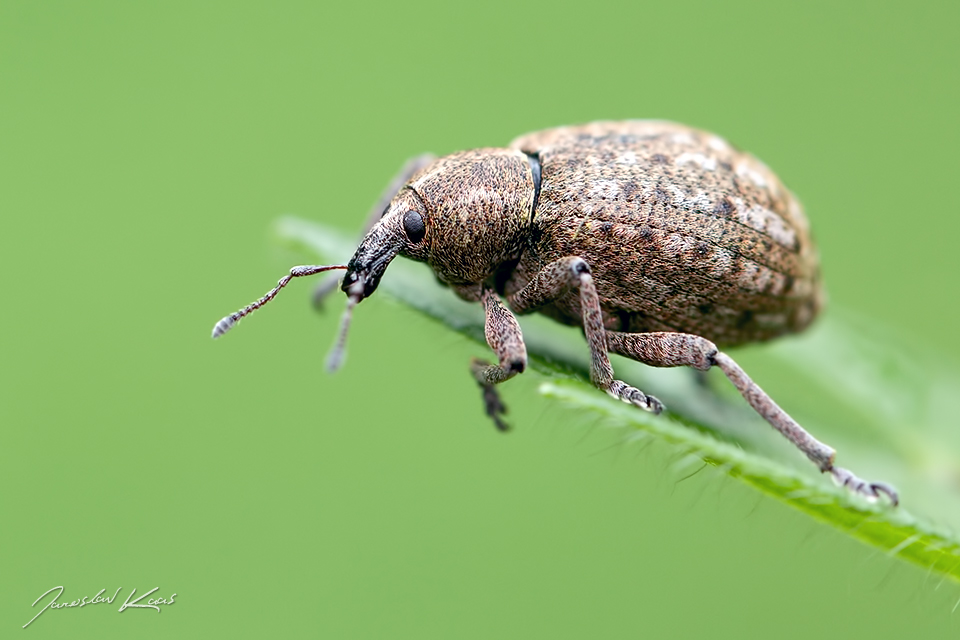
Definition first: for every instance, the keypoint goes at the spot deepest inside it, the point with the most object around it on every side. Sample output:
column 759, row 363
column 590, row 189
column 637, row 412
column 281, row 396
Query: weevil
column 659, row 240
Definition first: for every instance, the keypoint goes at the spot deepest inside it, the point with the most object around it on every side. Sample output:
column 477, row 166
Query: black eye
column 413, row 226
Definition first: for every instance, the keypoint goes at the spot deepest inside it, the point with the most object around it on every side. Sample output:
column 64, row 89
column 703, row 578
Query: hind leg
column 664, row 349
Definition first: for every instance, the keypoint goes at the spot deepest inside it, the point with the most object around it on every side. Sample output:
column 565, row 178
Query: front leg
column 505, row 338
column 559, row 278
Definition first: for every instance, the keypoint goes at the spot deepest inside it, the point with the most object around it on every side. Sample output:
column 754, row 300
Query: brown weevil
column 659, row 240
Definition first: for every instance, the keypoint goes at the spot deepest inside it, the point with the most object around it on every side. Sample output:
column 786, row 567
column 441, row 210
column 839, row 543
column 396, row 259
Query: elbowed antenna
column 305, row 270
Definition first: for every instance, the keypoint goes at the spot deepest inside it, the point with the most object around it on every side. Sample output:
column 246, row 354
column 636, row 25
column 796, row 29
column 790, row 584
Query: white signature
column 152, row 603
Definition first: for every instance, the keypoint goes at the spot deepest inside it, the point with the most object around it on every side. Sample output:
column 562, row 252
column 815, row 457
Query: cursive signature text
column 129, row 603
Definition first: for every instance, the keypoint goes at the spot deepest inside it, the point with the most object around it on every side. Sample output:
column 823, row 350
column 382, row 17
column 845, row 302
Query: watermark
column 129, row 603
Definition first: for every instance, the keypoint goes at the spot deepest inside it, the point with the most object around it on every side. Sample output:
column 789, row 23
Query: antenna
column 297, row 272
column 339, row 349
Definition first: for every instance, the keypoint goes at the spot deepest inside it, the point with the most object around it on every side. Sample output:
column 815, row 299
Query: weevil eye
column 413, row 226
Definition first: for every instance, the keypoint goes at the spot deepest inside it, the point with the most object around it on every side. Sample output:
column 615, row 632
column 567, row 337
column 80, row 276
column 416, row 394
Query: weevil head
column 401, row 229
column 464, row 215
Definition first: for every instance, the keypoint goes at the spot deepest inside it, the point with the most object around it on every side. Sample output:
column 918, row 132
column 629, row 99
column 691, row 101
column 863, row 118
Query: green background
column 147, row 148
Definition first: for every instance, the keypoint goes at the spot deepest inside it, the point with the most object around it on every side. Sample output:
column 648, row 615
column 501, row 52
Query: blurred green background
column 147, row 148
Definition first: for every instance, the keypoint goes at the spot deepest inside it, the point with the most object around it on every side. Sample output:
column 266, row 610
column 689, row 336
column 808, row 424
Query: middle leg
column 559, row 278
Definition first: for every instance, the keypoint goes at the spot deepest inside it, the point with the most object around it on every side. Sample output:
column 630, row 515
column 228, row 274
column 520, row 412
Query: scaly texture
column 683, row 232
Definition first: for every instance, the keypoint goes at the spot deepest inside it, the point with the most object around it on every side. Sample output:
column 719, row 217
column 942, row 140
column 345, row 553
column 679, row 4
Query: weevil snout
column 361, row 281
column 366, row 267
column 376, row 251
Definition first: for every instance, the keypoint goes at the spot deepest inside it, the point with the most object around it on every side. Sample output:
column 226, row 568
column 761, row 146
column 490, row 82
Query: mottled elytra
column 659, row 240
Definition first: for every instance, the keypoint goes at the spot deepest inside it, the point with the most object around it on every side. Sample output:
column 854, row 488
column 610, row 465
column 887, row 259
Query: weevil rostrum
column 659, row 240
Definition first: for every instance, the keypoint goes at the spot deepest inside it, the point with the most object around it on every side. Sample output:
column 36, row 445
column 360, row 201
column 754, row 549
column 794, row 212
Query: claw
column 870, row 490
column 886, row 489
column 494, row 407
column 632, row 395
column 654, row 406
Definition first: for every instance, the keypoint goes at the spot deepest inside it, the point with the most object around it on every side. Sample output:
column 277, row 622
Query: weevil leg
column 665, row 349
column 506, row 339
column 329, row 285
column 560, row 277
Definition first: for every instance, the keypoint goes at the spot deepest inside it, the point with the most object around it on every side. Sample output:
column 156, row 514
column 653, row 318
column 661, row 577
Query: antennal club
column 305, row 270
